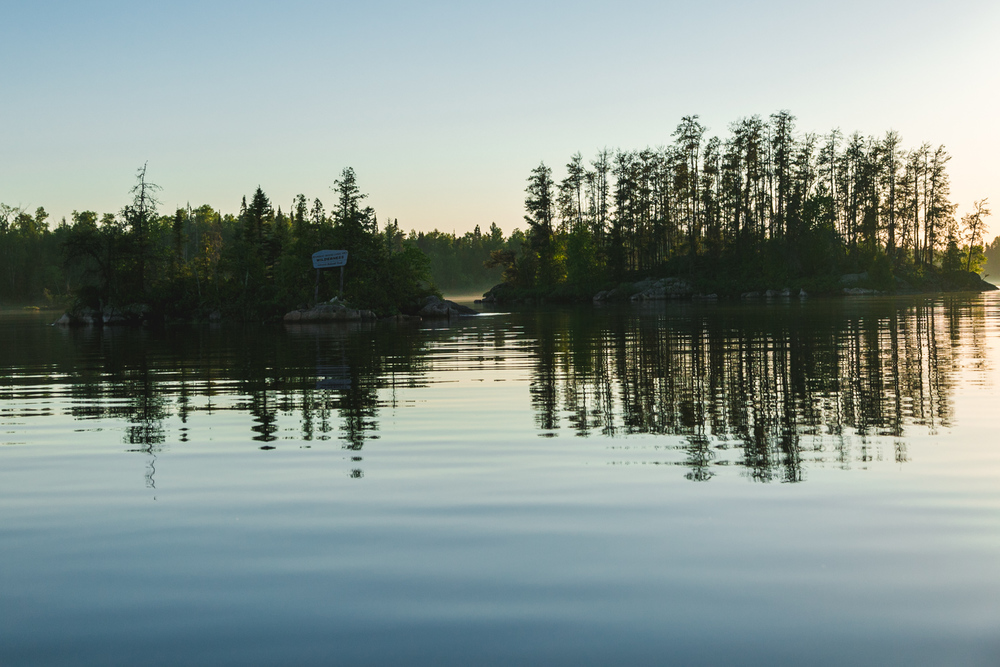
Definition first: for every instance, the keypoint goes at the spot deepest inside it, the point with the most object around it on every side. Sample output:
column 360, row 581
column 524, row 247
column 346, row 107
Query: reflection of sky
column 443, row 107
column 471, row 540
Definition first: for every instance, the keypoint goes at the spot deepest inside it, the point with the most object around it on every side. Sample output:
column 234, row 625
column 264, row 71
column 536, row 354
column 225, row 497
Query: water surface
column 781, row 482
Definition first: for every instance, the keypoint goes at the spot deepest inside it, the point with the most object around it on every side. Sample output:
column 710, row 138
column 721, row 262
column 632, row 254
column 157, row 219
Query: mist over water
column 557, row 485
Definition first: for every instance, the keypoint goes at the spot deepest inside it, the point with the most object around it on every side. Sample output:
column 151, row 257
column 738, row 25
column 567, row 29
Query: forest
column 253, row 266
column 764, row 206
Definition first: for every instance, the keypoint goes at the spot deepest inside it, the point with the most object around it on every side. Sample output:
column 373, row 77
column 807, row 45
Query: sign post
column 329, row 259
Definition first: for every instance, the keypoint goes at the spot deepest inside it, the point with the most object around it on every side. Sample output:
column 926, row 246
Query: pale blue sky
column 443, row 108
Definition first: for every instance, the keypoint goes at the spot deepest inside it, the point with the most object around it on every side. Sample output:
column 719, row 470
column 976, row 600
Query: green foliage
column 880, row 272
column 763, row 208
column 463, row 263
column 539, row 204
column 582, row 266
column 951, row 262
column 254, row 266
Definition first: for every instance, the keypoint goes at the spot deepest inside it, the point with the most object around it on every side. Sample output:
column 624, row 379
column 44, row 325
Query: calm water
column 781, row 483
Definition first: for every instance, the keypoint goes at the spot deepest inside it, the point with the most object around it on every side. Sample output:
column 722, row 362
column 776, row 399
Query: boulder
column 665, row 288
column 854, row 278
column 135, row 313
column 132, row 313
column 436, row 307
column 328, row 312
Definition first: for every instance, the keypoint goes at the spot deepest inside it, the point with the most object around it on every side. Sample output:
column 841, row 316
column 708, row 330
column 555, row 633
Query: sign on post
column 329, row 259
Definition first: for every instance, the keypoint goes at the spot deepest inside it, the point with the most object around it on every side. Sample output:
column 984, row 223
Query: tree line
column 763, row 205
column 253, row 265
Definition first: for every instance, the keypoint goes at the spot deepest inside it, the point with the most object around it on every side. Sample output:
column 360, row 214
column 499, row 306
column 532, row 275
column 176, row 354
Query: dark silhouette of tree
column 140, row 216
column 539, row 205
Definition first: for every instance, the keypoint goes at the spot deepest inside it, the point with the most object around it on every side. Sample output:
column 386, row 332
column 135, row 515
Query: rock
column 644, row 285
column 665, row 288
column 853, row 278
column 435, row 307
column 786, row 292
column 215, row 316
column 601, row 296
column 750, row 295
column 616, row 294
column 860, row 291
column 328, row 312
column 772, row 293
column 135, row 313
column 501, row 293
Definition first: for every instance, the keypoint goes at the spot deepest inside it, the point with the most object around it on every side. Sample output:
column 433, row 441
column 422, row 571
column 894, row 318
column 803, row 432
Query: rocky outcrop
column 849, row 279
column 648, row 290
column 434, row 307
column 334, row 311
column 616, row 294
column 132, row 314
column 498, row 294
column 662, row 289
column 783, row 293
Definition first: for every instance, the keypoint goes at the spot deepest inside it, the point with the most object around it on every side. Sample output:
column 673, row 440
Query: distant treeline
column 765, row 206
column 761, row 207
column 253, row 265
column 458, row 263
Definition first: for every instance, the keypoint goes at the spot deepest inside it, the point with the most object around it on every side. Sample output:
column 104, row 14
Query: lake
column 786, row 482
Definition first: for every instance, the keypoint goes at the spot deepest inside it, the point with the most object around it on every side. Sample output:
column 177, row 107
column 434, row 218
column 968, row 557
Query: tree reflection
column 784, row 383
column 768, row 389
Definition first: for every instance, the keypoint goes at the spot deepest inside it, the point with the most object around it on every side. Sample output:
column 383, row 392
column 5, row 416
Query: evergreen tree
column 539, row 205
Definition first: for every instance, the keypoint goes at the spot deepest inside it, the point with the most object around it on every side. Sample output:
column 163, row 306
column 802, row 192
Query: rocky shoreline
column 431, row 307
column 645, row 290
column 675, row 288
column 335, row 310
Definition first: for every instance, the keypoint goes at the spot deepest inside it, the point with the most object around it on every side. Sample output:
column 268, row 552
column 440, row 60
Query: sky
column 443, row 108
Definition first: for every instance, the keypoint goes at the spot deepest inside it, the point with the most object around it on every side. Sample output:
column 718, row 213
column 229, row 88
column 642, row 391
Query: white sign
column 329, row 259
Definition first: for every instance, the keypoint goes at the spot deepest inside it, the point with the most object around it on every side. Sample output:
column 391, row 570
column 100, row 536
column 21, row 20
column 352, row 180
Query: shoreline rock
column 434, row 307
column 132, row 314
column 329, row 312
